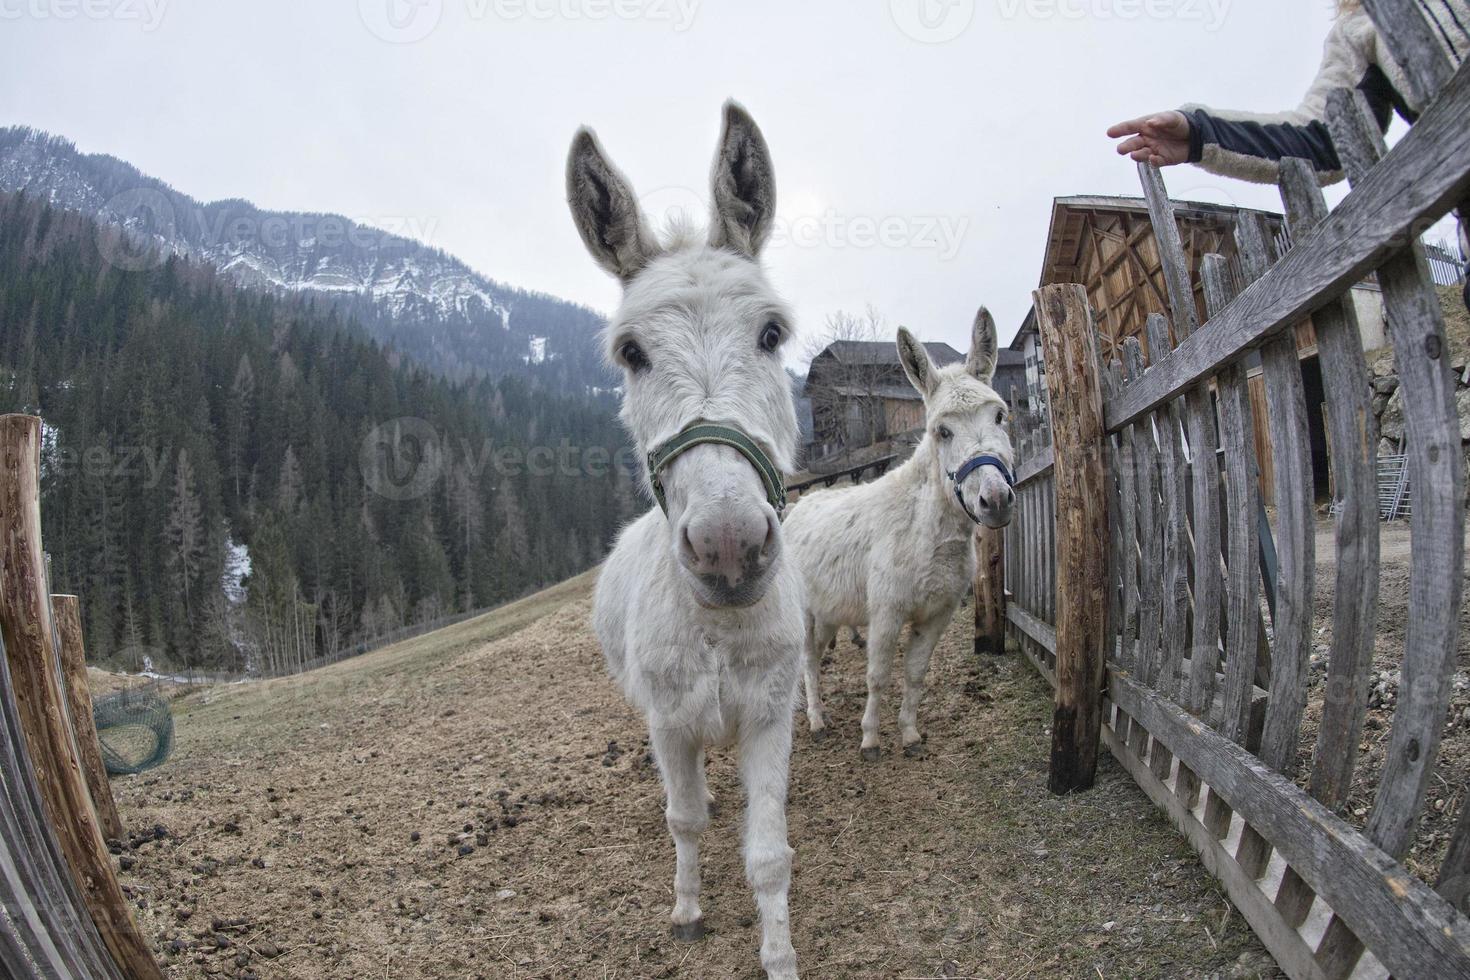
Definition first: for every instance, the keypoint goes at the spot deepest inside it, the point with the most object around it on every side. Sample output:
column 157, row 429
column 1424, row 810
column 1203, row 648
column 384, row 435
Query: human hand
column 1161, row 138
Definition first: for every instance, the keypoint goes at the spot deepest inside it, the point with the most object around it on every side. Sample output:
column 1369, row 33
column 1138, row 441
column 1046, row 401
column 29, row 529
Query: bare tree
column 844, row 387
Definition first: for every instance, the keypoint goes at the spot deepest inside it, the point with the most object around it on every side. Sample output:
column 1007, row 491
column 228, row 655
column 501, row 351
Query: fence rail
column 1203, row 702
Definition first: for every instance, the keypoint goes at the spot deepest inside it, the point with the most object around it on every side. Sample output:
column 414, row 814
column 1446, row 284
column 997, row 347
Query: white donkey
column 699, row 617
column 901, row 549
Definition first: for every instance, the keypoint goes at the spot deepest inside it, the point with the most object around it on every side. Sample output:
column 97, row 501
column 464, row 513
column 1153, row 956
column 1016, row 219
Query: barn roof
column 1106, row 243
column 903, row 391
column 886, row 352
column 1069, row 219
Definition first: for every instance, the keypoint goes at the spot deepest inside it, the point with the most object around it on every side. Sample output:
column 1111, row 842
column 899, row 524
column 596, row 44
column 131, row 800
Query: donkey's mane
column 682, row 232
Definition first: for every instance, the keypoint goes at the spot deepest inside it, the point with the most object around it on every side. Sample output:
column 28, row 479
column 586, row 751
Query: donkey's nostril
column 769, row 544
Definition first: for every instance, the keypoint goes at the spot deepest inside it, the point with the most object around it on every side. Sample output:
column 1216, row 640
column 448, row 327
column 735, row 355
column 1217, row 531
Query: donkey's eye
column 945, row 434
column 633, row 356
column 771, row 338
column 1000, row 417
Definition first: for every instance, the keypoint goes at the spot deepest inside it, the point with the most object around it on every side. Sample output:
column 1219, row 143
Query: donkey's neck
column 924, row 480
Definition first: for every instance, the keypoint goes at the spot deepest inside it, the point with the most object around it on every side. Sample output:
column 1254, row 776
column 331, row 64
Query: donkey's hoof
column 689, row 932
column 871, row 753
column 819, row 734
column 915, row 750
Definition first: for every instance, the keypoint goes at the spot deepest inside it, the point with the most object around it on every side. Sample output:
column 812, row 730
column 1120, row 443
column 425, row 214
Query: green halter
column 705, row 433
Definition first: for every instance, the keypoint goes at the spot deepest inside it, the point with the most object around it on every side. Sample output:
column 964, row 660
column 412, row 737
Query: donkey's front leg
column 765, row 753
column 818, row 635
column 680, row 760
column 882, row 644
column 922, row 641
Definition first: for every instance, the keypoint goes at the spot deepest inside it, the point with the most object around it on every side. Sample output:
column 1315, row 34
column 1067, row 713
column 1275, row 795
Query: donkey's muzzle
column 729, row 550
column 987, row 497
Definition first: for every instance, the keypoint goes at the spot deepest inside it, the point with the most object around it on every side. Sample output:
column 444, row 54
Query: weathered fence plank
column 1295, row 544
column 1354, row 436
column 1454, row 875
column 1199, row 412
column 1242, row 498
column 1242, row 595
column 1128, row 512
column 1176, row 529
column 25, row 624
column 1176, row 608
column 1150, row 537
column 1414, row 46
column 1070, row 339
column 67, row 610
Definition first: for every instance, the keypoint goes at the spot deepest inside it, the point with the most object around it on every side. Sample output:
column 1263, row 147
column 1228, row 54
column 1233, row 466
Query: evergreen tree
column 183, row 413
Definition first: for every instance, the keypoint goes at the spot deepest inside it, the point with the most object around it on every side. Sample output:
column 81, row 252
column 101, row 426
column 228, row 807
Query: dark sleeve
column 1267, row 141
column 1275, row 141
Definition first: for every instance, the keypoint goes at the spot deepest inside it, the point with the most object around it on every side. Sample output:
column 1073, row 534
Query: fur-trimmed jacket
column 1250, row 146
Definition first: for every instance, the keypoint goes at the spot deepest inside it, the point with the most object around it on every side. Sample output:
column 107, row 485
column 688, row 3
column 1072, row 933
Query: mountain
column 418, row 300
column 236, row 479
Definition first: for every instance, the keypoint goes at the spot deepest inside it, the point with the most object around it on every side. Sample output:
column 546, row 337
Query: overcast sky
column 918, row 143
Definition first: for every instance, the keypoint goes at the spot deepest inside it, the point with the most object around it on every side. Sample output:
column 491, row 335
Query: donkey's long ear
column 916, row 363
column 743, row 186
column 605, row 211
column 984, row 347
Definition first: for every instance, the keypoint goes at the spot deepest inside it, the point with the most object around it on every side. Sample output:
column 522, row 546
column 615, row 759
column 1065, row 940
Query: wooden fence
column 62, row 912
column 1134, row 559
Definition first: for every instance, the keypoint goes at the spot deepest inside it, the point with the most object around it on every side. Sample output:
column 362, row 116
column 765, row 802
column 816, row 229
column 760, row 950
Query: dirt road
column 479, row 803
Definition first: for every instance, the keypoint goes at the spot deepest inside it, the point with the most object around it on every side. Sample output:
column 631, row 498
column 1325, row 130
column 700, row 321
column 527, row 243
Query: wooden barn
column 860, row 395
column 1107, row 244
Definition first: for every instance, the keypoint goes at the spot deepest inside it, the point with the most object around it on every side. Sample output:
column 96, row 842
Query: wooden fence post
column 990, row 591
column 1079, row 438
column 67, row 610
column 1413, row 42
column 25, row 623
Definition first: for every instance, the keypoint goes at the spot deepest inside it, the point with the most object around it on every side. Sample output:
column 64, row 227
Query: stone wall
column 1388, row 405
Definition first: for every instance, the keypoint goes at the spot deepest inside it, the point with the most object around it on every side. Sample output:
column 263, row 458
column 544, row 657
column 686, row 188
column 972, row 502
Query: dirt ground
column 479, row 803
column 1447, row 794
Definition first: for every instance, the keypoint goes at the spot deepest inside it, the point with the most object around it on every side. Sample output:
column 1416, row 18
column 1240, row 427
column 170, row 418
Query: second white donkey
column 901, row 550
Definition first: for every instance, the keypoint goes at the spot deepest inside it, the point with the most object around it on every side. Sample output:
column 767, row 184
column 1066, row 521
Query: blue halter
column 971, row 466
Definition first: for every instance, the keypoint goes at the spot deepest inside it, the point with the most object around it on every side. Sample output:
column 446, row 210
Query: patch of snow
column 237, row 569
